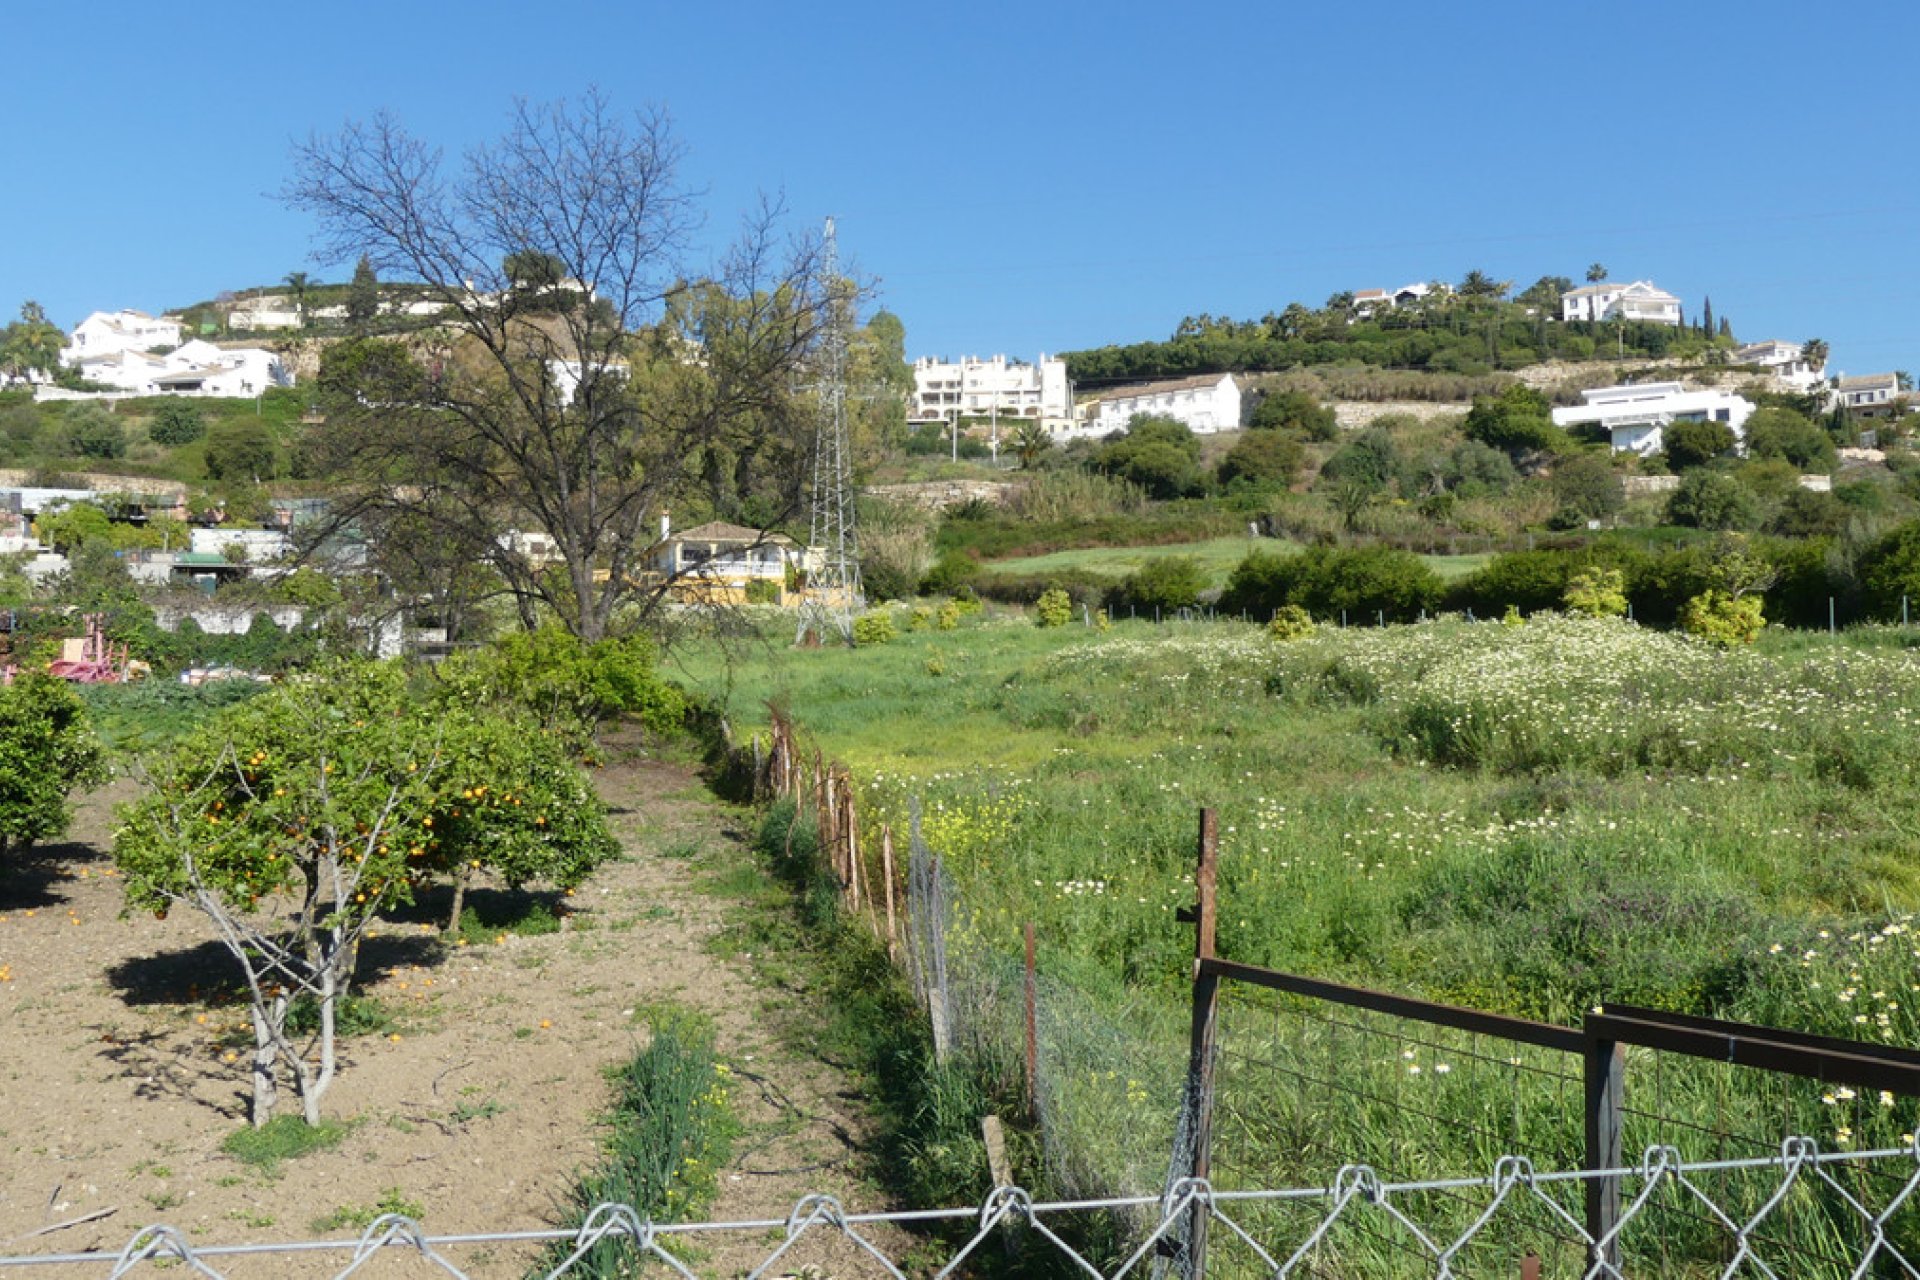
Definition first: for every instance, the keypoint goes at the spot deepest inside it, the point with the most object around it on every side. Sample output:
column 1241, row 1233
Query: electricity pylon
column 833, row 582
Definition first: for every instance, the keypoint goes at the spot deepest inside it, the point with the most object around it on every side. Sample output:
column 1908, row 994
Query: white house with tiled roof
column 1638, row 300
column 1207, row 404
column 1786, row 361
column 106, row 333
column 1872, row 395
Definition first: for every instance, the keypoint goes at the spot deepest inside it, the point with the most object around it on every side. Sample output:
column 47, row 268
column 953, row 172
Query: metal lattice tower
column 833, row 587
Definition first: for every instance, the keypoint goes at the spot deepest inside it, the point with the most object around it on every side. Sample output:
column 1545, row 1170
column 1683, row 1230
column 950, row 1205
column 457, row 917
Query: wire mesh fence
column 1515, row 1219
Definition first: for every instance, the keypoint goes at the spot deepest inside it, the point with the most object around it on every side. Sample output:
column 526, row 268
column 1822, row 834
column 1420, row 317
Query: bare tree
column 583, row 381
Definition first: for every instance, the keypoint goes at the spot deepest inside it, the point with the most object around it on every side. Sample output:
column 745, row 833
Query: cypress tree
column 1706, row 319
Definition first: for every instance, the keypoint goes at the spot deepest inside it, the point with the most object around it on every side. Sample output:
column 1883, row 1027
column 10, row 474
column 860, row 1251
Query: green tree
column 363, row 296
column 30, row 345
column 1294, row 410
column 92, row 432
column 1262, row 460
column 1030, row 444
column 1712, row 500
column 1585, row 485
column 1167, row 585
column 176, row 423
column 299, row 284
column 293, row 819
column 1368, row 461
column 1775, row 432
column 241, row 451
column 1695, row 444
column 1516, row 422
column 46, row 749
column 1889, row 570
column 1596, row 273
column 1158, row 454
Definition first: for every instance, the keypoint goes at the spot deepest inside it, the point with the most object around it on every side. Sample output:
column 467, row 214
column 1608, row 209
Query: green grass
column 361, row 1216
column 282, row 1138
column 1217, row 557
column 1521, row 820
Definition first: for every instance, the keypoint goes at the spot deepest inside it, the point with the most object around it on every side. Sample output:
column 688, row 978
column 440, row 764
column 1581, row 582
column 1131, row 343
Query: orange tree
column 293, row 819
column 45, row 749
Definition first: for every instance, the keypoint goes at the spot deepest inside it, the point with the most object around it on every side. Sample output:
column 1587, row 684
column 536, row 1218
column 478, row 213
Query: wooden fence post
column 886, row 872
column 1605, row 1099
column 1033, row 1030
column 1200, row 1059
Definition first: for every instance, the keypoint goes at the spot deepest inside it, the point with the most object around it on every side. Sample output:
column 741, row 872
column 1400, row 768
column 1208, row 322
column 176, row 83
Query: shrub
column 1724, row 619
column 1712, row 500
column 176, row 423
column 1168, row 585
column 951, row 570
column 872, row 628
column 1290, row 622
column 760, row 591
column 1516, row 422
column 1695, row 444
column 1294, row 410
column 570, row 685
column 1071, row 495
column 1531, row 581
column 1053, row 609
column 1597, row 593
column 46, row 749
column 92, row 432
column 1890, row 571
column 948, row 616
column 1362, row 582
column 1262, row 460
column 1781, row 433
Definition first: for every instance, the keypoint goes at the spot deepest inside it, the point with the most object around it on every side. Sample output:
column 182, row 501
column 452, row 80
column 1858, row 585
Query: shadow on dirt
column 30, row 880
column 208, row 973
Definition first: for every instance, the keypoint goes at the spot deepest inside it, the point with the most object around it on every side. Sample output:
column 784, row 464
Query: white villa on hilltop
column 947, row 390
column 106, row 333
column 1786, row 361
column 1636, row 416
column 133, row 353
column 1207, row 404
column 1639, row 300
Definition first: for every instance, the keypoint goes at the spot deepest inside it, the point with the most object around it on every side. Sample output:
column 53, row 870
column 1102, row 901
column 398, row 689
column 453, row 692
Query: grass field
column 1527, row 819
column 1217, row 556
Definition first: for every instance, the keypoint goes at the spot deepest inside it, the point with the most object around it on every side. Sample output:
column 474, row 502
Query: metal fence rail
column 1358, row 1224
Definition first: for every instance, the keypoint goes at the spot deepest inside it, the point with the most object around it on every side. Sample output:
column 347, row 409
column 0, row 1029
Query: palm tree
column 299, row 283
column 1030, row 442
column 1814, row 351
column 1596, row 273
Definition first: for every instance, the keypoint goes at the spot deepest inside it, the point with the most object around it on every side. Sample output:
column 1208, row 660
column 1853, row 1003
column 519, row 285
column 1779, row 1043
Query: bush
column 1294, row 410
column 1516, row 422
column 1724, row 620
column 1781, row 433
column 948, row 616
column 1695, row 444
column 1363, row 582
column 1261, row 460
column 241, row 452
column 1167, row 586
column 872, row 628
column 953, row 569
column 176, row 423
column 1053, row 609
column 46, row 749
column 92, row 432
column 1712, row 500
column 1290, row 622
column 1597, row 593
column 568, row 684
column 1890, row 571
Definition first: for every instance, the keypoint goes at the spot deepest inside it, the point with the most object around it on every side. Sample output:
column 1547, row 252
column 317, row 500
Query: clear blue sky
column 1020, row 177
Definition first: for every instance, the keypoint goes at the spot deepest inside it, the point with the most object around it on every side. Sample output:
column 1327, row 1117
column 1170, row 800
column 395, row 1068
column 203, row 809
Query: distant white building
column 1636, row 416
column 268, row 311
column 1640, row 300
column 196, row 368
column 947, row 390
column 1872, row 395
column 256, row 546
column 1207, row 403
column 1786, row 361
column 1366, row 302
column 106, row 333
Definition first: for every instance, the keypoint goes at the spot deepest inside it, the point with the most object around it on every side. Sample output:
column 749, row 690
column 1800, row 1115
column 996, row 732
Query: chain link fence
column 1516, row 1220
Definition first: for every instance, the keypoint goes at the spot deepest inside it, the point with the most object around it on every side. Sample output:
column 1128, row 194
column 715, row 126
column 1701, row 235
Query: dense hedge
column 1363, row 583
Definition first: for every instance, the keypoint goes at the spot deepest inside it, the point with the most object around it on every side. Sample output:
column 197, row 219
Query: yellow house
column 716, row 563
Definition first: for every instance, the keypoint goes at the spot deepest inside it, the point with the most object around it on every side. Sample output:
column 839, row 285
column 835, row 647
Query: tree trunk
column 264, row 1053
column 459, row 898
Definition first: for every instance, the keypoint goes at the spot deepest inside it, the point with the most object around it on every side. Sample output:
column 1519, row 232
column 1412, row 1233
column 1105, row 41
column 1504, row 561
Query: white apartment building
column 106, row 333
column 1639, row 300
column 1207, row 403
column 946, row 390
column 1786, row 361
column 1636, row 416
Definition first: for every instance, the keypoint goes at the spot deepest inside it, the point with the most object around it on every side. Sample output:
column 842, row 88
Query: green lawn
column 1217, row 556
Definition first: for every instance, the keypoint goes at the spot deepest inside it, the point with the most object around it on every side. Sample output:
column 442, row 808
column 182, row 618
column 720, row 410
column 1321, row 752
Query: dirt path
column 116, row 1091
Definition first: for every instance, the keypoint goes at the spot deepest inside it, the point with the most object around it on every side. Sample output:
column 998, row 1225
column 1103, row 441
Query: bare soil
column 116, row 1091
